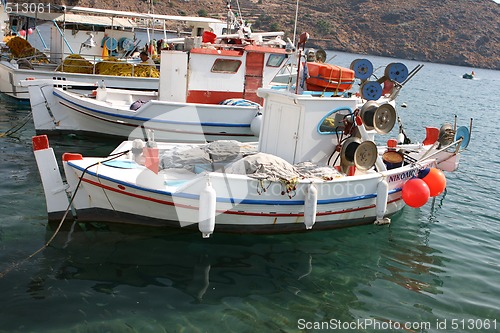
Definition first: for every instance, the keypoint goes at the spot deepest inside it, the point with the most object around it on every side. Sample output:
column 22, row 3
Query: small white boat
column 315, row 166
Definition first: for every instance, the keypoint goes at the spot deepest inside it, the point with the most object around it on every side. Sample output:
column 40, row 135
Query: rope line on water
column 17, row 126
column 68, row 209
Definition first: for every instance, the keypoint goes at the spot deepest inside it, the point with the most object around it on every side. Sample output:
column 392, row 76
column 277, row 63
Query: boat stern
column 53, row 186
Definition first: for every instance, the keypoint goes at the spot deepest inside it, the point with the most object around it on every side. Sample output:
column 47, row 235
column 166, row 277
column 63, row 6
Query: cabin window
column 333, row 122
column 226, row 66
column 275, row 60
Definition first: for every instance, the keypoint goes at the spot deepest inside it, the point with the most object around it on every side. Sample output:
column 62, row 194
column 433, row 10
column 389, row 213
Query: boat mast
column 229, row 18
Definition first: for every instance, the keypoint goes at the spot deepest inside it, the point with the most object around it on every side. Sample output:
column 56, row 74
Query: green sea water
column 434, row 269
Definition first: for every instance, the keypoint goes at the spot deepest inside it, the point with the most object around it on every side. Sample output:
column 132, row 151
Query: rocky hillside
column 459, row 32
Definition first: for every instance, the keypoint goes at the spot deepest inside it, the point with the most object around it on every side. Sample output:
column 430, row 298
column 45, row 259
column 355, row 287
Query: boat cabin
column 300, row 128
column 211, row 74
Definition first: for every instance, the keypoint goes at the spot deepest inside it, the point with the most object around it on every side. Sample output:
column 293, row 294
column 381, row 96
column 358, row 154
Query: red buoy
column 435, row 179
column 415, row 192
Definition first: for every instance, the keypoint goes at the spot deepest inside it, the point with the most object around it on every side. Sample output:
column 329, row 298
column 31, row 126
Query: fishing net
column 210, row 156
column 274, row 168
column 112, row 66
column 21, row 48
column 75, row 63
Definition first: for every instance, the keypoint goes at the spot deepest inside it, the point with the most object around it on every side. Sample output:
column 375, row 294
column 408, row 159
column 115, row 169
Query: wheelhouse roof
column 105, row 17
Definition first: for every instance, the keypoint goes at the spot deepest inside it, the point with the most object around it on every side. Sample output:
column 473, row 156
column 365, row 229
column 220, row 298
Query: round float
column 415, row 192
column 435, row 180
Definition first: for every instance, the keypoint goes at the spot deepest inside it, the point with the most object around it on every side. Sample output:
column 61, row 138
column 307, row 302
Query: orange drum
column 326, row 77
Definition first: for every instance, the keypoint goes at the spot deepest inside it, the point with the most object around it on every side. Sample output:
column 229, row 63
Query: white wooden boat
column 288, row 181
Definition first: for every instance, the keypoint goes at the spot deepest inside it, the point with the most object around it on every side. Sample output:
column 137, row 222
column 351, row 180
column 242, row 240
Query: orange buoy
column 435, row 180
column 415, row 192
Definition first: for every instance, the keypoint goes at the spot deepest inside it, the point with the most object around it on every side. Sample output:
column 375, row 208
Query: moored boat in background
column 469, row 76
column 99, row 39
column 206, row 93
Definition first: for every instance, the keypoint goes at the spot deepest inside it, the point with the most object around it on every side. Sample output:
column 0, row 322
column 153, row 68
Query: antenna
column 296, row 16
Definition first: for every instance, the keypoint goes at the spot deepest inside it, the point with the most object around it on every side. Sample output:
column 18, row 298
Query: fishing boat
column 468, row 76
column 315, row 166
column 206, row 93
column 90, row 40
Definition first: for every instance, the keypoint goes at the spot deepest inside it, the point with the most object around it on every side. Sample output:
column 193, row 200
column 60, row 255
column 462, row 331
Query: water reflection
column 412, row 262
column 177, row 259
column 410, row 272
column 258, row 282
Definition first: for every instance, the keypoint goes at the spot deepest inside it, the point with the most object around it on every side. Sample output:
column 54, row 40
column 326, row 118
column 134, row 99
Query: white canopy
column 107, row 17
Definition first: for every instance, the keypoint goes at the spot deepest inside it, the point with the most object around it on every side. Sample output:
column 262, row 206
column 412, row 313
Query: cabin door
column 253, row 76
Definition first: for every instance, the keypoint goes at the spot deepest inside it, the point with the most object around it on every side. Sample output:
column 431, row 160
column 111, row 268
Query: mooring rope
column 68, row 209
column 17, row 126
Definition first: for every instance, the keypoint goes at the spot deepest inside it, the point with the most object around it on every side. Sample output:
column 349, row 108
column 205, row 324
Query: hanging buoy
column 310, row 206
column 105, row 52
column 415, row 192
column 206, row 210
column 435, row 180
column 382, row 196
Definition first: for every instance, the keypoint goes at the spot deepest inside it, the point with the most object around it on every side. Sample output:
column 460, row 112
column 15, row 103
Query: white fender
column 53, row 186
column 102, row 93
column 382, row 197
column 206, row 210
column 310, row 206
column 256, row 124
column 401, row 138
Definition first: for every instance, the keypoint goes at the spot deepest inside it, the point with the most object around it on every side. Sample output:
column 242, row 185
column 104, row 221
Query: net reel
column 380, row 118
column 362, row 155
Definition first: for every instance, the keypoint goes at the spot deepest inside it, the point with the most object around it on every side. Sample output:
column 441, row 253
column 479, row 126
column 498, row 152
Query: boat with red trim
column 316, row 166
column 206, row 93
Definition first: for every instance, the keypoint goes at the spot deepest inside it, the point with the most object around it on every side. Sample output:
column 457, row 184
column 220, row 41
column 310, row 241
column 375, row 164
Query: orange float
column 326, row 77
column 415, row 192
column 435, row 180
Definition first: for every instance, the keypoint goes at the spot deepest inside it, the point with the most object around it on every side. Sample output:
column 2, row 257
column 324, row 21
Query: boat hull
column 10, row 80
column 241, row 204
column 58, row 111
